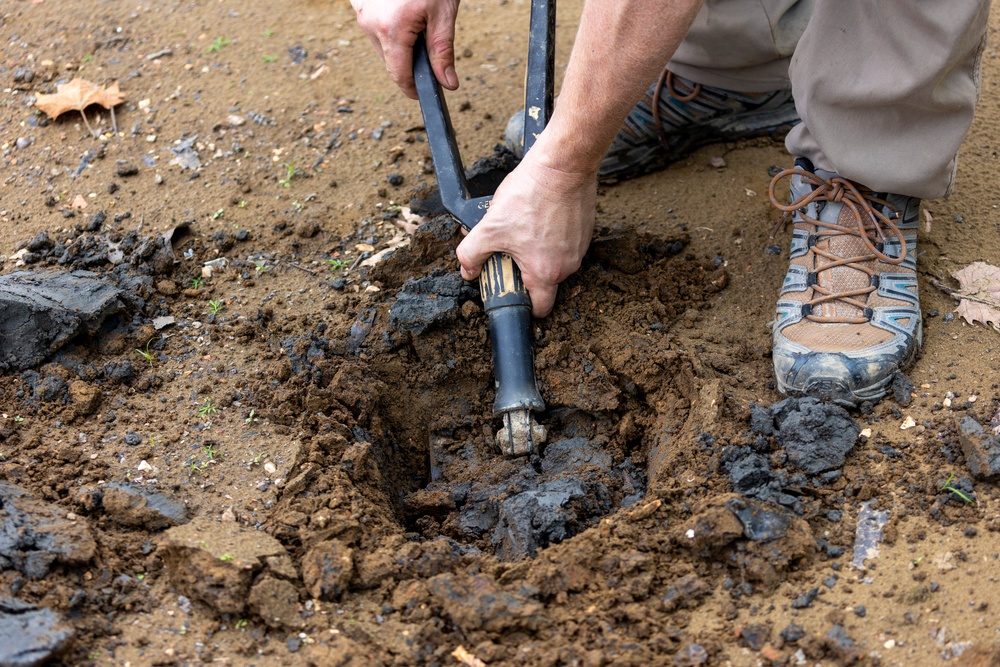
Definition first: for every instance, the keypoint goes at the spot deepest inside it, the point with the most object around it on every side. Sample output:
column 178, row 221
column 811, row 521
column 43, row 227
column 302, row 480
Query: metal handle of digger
column 538, row 98
column 505, row 298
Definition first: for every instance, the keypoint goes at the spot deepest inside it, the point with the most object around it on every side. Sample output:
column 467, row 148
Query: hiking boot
column 675, row 117
column 848, row 316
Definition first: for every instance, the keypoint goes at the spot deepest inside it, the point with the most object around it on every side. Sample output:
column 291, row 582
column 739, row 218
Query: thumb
column 472, row 254
column 441, row 48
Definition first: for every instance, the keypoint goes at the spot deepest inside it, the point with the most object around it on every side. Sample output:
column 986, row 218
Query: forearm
column 621, row 46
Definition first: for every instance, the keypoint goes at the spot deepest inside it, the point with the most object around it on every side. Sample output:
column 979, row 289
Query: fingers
column 543, row 296
column 398, row 54
column 441, row 48
column 472, row 254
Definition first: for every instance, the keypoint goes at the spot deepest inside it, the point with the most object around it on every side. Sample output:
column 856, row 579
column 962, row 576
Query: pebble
column 860, row 611
column 293, row 644
column 270, row 468
column 23, row 142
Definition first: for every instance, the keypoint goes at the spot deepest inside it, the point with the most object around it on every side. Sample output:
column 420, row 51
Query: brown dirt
column 325, row 457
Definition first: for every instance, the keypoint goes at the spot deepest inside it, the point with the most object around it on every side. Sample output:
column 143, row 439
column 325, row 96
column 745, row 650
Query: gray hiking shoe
column 675, row 117
column 848, row 315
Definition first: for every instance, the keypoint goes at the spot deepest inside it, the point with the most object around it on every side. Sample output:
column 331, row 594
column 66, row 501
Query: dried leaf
column 979, row 294
column 77, row 95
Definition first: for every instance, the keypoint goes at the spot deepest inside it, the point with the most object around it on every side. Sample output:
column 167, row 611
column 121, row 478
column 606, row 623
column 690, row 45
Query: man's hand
column 393, row 26
column 541, row 216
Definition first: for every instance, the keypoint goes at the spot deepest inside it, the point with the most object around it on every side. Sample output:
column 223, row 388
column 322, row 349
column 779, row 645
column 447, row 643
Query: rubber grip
column 508, row 307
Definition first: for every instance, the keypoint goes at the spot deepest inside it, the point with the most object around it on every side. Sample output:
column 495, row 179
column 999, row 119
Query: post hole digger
column 505, row 298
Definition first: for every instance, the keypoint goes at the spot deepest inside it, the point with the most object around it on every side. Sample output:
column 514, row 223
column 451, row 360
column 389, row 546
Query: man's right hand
column 393, row 27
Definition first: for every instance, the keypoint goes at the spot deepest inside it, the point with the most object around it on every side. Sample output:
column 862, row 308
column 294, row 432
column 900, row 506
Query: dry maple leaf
column 77, row 95
column 979, row 293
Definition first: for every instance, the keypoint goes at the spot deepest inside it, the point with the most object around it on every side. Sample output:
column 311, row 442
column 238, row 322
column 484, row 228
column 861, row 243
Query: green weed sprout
column 207, row 408
column 217, row 45
column 215, row 306
column 951, row 489
column 146, row 354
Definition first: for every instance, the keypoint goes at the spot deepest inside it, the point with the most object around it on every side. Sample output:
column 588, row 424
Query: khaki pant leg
column 886, row 90
column 742, row 45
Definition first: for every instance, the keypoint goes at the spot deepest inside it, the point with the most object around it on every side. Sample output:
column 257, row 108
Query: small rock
column 235, row 120
column 860, row 610
column 755, row 635
column 395, row 179
column 126, row 168
column 691, row 655
column 792, row 633
column 717, row 161
column 806, row 599
column 22, row 142
column 24, row 75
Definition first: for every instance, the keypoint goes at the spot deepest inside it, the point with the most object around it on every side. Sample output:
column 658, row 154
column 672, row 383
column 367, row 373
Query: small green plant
column 207, row 408
column 298, row 206
column 291, row 171
column 197, row 466
column 211, row 452
column 146, row 354
column 241, row 625
column 337, row 264
column 227, row 558
column 251, row 419
column 88, row 58
column 243, row 204
column 951, row 489
column 260, row 267
column 215, row 306
column 218, row 214
column 18, row 418
column 196, row 283
column 268, row 33
column 217, row 45
column 258, row 460
column 269, row 59
column 140, row 576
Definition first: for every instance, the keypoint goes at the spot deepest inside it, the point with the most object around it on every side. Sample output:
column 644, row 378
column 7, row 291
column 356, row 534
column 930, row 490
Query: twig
column 297, row 266
column 87, row 123
column 160, row 54
column 959, row 294
column 114, row 123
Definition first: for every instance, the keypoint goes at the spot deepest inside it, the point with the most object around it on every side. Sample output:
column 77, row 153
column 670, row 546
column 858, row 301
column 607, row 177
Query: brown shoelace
column 667, row 81
column 869, row 224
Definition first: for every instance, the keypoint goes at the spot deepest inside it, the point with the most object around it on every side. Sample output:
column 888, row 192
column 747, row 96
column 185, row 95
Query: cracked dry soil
column 285, row 459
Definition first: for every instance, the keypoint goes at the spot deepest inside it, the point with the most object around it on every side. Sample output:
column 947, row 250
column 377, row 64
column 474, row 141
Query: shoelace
column 666, row 81
column 870, row 224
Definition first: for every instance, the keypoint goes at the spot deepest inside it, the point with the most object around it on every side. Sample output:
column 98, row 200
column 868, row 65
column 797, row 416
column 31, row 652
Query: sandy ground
column 292, row 472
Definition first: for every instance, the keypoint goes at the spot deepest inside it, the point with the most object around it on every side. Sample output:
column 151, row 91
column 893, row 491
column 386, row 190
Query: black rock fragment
column 429, row 301
column 806, row 599
column 28, row 635
column 42, row 311
column 981, row 448
column 816, row 436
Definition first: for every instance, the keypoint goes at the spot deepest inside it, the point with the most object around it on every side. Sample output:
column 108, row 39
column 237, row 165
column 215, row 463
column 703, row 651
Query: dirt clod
column 29, row 635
